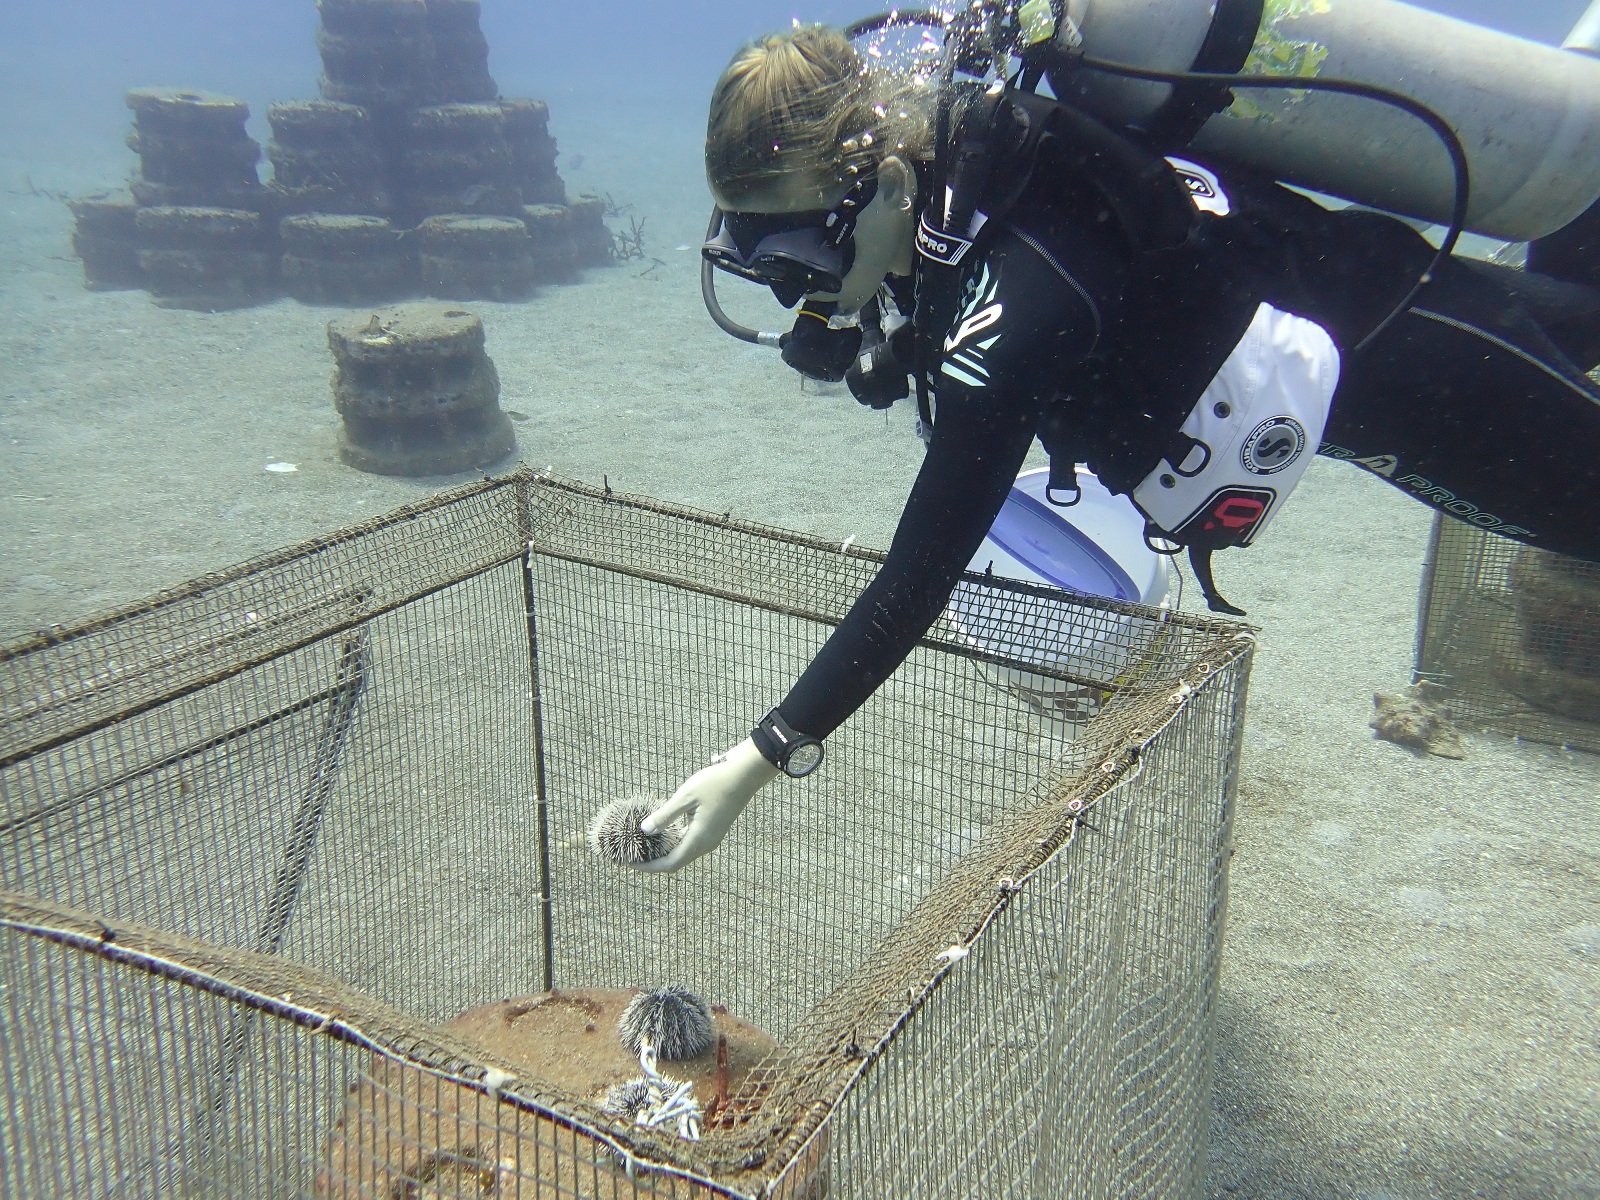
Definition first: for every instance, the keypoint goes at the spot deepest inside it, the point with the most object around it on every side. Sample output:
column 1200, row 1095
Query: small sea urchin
column 627, row 1100
column 676, row 1022
column 614, row 833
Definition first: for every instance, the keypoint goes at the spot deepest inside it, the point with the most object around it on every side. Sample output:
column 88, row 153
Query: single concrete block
column 416, row 391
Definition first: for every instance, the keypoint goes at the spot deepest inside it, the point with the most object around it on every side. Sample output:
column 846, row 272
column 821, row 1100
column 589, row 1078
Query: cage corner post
column 524, row 501
column 1422, row 652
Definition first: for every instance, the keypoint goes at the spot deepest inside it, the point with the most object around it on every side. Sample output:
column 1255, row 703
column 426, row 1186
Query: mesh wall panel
column 264, row 837
column 1511, row 636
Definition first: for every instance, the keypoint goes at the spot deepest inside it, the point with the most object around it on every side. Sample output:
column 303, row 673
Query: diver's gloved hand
column 815, row 348
column 713, row 798
column 878, row 376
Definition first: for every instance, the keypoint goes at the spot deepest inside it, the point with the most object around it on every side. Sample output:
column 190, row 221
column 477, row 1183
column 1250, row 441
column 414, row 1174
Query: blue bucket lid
column 1043, row 541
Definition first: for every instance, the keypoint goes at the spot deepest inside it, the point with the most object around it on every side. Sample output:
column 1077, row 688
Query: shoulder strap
column 963, row 162
column 1191, row 104
column 989, row 156
column 1145, row 195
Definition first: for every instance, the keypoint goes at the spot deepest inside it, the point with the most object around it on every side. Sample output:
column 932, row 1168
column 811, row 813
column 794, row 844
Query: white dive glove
column 712, row 798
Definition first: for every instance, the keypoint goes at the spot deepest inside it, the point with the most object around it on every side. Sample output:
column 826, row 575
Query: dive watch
column 795, row 754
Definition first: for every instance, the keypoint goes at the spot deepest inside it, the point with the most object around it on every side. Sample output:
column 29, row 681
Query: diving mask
column 795, row 254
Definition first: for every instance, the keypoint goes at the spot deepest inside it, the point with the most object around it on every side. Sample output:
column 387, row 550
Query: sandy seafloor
column 1412, row 973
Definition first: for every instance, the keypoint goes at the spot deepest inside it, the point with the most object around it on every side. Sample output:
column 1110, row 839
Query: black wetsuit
column 1473, row 400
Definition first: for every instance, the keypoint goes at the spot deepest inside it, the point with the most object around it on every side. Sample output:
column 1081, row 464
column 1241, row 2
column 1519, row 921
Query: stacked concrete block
column 552, row 256
column 193, row 150
column 106, row 239
column 447, row 187
column 328, row 157
column 532, row 151
column 376, row 53
column 206, row 258
column 417, row 392
column 455, row 159
column 336, row 258
column 476, row 258
column 591, row 240
column 401, row 54
column 460, row 53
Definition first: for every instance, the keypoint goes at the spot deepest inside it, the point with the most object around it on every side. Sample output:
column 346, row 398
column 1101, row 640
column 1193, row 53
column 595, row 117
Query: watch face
column 804, row 759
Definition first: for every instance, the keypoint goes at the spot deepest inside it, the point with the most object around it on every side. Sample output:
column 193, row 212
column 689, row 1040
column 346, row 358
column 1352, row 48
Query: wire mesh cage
column 1510, row 635
column 296, row 900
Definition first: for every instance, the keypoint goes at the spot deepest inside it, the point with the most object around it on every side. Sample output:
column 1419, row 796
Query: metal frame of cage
column 267, row 833
column 1508, row 636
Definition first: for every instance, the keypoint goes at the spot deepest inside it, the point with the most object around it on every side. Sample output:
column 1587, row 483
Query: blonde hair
column 804, row 104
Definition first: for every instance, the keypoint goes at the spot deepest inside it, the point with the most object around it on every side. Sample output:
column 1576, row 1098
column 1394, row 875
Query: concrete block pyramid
column 410, row 175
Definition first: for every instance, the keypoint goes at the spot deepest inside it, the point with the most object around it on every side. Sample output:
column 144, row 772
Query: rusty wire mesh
column 267, row 837
column 1510, row 636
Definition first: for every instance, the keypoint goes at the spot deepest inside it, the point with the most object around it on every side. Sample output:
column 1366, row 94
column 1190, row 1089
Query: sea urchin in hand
column 676, row 1022
column 615, row 836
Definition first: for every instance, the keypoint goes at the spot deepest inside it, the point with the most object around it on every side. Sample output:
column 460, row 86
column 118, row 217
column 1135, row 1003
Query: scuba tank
column 1528, row 114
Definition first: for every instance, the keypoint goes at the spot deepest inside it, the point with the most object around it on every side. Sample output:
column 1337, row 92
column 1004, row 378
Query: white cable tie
column 647, row 1059
column 655, row 1117
column 494, row 1079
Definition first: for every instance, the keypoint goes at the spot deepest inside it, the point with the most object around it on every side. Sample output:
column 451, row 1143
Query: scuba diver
column 1193, row 331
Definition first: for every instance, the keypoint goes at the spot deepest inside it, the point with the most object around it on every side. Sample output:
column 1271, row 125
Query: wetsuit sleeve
column 1021, row 326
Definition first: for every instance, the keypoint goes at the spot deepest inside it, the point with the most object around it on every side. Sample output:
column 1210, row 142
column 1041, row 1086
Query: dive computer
column 795, row 754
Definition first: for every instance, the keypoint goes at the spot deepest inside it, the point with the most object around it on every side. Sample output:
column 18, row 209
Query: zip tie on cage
column 494, row 1079
column 1132, row 765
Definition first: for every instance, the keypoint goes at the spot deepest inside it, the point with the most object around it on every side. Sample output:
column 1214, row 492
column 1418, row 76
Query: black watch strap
column 778, row 740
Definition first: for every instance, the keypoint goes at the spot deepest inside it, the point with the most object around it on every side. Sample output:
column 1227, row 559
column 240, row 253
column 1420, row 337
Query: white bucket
column 1095, row 547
